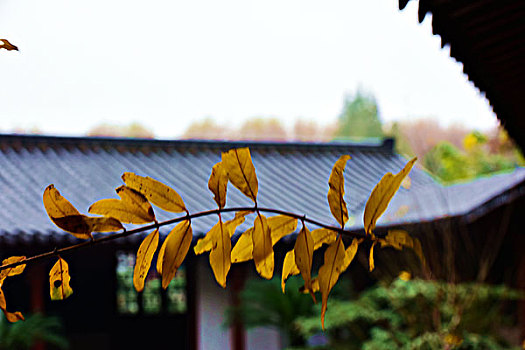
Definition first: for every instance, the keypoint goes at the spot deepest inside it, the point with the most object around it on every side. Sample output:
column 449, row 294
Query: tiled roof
column 292, row 176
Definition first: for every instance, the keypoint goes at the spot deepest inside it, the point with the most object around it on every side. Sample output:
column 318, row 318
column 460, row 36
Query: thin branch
column 188, row 216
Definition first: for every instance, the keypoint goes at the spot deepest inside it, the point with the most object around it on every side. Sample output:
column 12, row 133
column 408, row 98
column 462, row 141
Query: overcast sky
column 165, row 63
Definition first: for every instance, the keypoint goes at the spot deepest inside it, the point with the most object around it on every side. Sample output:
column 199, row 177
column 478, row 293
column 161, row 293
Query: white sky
column 165, row 63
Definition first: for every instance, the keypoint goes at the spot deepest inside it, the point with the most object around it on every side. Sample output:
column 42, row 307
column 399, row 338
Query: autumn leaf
column 160, row 257
column 59, row 281
column 218, row 184
column 67, row 217
column 320, row 236
column 240, row 170
column 7, row 45
column 304, row 253
column 350, row 253
column 10, row 316
column 158, row 193
column 280, row 226
column 337, row 190
column 399, row 239
column 220, row 256
column 371, row 263
column 205, row 244
column 262, row 247
column 334, row 261
column 133, row 208
column 176, row 247
column 144, row 256
column 289, row 268
column 382, row 194
column 12, row 271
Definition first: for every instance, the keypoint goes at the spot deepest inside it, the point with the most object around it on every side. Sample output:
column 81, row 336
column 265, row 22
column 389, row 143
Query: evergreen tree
column 359, row 118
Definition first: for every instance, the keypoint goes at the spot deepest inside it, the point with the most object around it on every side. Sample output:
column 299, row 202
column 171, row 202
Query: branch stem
column 188, row 216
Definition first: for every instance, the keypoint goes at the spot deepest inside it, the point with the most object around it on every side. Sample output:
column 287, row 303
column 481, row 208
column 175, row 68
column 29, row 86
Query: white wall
column 212, row 301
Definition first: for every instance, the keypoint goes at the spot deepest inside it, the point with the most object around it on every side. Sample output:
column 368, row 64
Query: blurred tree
column 206, row 129
column 310, row 130
column 359, row 118
column 260, row 128
column 134, row 129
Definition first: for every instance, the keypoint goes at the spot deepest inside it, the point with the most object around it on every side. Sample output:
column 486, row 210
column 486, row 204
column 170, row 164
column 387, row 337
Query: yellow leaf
column 323, row 236
column 57, row 207
column 12, row 271
column 160, row 257
column 144, row 256
column 10, row 316
column 218, row 184
column 7, row 45
column 220, row 256
column 159, row 194
column 289, row 268
column 59, row 280
column 81, row 226
column 337, row 190
column 205, row 244
column 382, row 194
column 134, row 208
column 334, row 259
column 177, row 245
column 262, row 247
column 350, row 253
column 320, row 236
column 399, row 239
column 315, row 287
column 304, row 253
column 280, row 226
column 371, row 262
column 405, row 276
column 241, row 172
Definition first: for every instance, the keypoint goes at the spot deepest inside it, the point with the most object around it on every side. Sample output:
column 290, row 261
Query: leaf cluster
column 140, row 194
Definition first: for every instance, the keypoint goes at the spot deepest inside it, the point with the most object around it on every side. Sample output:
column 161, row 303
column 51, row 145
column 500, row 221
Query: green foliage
column 450, row 164
column 359, row 118
column 23, row 335
column 416, row 315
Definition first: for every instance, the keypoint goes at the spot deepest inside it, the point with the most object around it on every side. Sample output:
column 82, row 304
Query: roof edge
column 385, row 145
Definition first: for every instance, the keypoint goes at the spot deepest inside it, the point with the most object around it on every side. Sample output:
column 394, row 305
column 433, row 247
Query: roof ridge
column 382, row 145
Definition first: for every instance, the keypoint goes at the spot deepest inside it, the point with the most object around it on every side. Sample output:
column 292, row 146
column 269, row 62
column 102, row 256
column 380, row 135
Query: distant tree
column 359, row 118
column 260, row 128
column 310, row 130
column 207, row 129
column 112, row 130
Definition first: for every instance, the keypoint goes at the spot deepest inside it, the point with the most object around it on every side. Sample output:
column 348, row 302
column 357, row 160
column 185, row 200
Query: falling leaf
column 262, row 247
column 176, row 245
column 158, row 193
column 382, row 194
column 12, row 271
column 220, row 256
column 133, row 208
column 280, row 226
column 144, row 256
column 320, row 236
column 337, row 191
column 334, row 260
column 7, row 45
column 218, row 184
column 205, row 244
column 241, row 172
column 371, row 263
column 304, row 253
column 59, row 281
